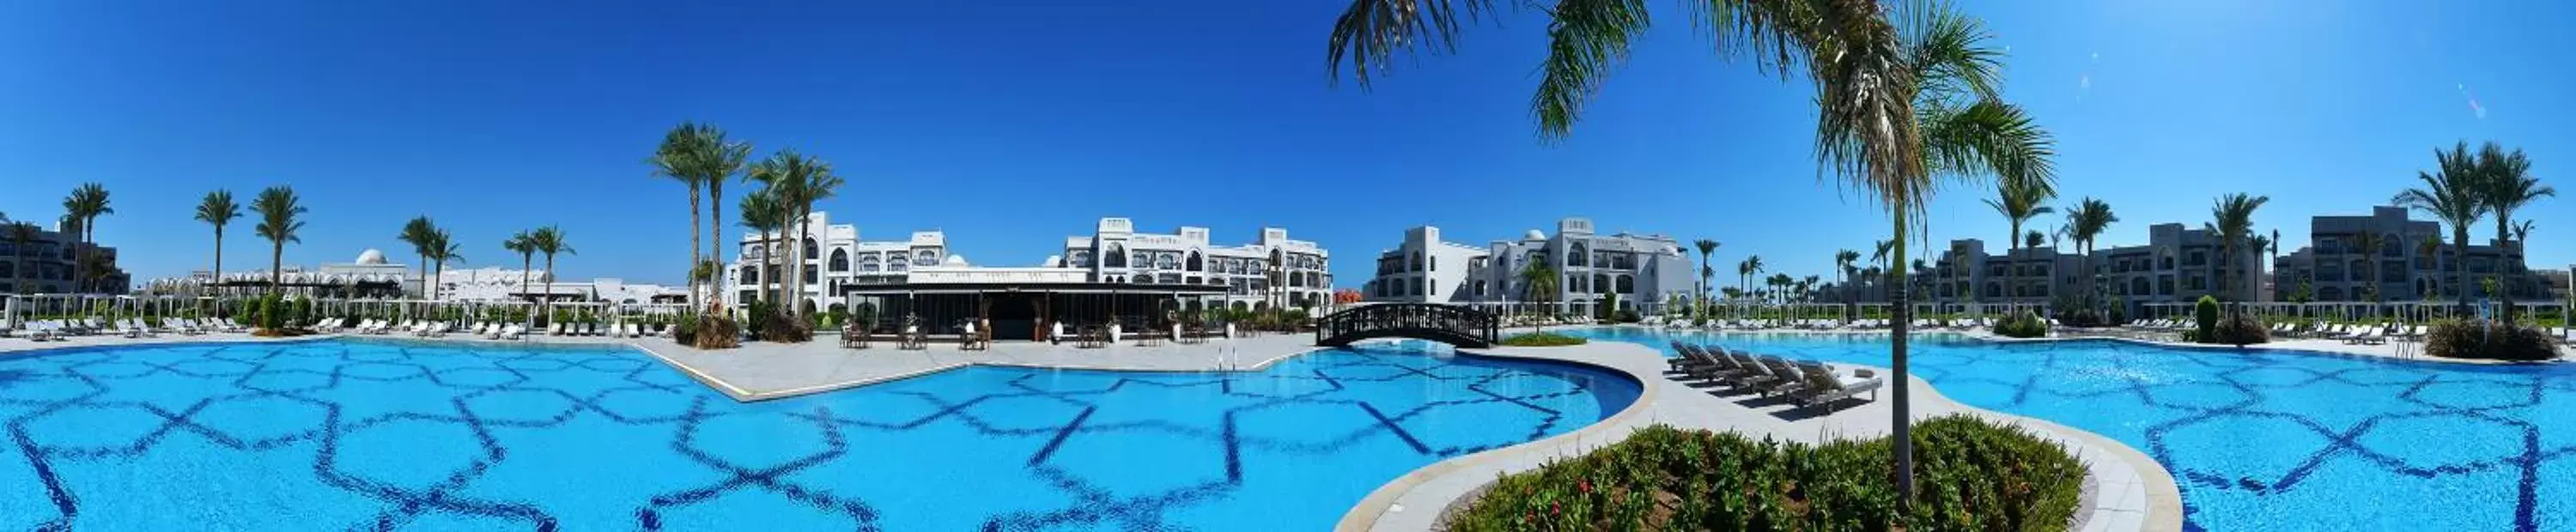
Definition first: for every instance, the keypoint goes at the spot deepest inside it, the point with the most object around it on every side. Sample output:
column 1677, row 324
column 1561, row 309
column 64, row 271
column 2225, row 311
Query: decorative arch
column 1080, row 258
column 1578, row 255
column 812, row 251
column 840, row 260
column 1167, row 261
column 1194, row 263
column 1601, row 283
column 1115, row 257
column 1627, row 284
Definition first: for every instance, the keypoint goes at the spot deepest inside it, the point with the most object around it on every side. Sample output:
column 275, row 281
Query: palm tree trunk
column 694, row 246
column 715, row 195
column 276, row 258
column 219, row 257
column 1903, row 420
column 550, row 273
column 2460, row 264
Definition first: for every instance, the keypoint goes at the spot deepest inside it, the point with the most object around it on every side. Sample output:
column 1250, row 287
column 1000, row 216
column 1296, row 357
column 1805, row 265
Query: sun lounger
column 1823, row 386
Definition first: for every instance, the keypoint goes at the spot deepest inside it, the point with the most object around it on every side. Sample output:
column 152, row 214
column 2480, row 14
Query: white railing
column 997, row 275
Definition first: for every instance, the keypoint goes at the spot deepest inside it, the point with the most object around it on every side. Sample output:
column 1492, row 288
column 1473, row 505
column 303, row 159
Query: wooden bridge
column 1453, row 325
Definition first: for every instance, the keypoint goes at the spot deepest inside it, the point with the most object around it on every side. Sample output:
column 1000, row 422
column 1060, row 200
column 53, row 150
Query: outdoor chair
column 1822, row 386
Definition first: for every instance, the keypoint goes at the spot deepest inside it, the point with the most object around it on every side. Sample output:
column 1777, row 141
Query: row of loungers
column 2347, row 333
column 64, row 329
column 1807, row 383
column 1834, row 325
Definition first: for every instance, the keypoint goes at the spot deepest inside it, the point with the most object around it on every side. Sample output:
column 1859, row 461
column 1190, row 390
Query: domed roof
column 1534, row 235
column 371, row 257
column 956, row 260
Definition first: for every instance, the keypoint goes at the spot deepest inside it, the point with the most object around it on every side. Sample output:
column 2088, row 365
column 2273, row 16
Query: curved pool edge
column 1418, row 499
column 1388, row 500
column 744, row 395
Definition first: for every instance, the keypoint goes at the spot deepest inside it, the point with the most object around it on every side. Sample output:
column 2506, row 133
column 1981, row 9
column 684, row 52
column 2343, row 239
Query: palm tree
column 761, row 214
column 699, row 156
column 2257, row 244
column 2451, row 193
column 1807, row 287
column 2232, row 219
column 277, row 209
column 1538, row 281
column 417, row 233
column 2505, row 185
column 2019, row 202
column 217, row 209
column 442, row 251
column 85, row 204
column 1750, row 266
column 21, row 234
column 526, row 247
column 795, row 183
column 2085, row 222
column 1706, row 248
column 2425, row 251
column 550, row 241
column 1843, row 261
column 1900, row 106
column 2369, row 243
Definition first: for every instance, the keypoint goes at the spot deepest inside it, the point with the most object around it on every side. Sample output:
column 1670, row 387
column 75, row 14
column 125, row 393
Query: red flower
column 1586, row 485
column 1555, row 508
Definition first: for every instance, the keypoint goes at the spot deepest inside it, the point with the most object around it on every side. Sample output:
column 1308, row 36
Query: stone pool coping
column 2140, row 496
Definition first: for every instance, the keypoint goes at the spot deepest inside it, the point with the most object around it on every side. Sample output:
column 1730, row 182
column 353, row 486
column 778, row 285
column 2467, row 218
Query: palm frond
column 1370, row 32
column 1950, row 52
column 1586, row 40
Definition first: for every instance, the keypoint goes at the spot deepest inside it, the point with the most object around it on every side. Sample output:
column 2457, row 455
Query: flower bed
column 1542, row 339
column 1969, row 475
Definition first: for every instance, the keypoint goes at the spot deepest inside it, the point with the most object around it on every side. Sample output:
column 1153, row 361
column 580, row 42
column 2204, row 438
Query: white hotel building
column 837, row 262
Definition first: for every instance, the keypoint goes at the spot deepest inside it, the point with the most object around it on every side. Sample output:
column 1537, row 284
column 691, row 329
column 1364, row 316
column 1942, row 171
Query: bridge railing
column 1462, row 322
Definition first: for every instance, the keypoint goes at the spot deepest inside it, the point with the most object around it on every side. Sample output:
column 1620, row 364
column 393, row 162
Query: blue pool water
column 2271, row 440
column 368, row 435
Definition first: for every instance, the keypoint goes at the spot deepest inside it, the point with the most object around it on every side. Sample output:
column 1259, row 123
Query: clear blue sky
column 1011, row 124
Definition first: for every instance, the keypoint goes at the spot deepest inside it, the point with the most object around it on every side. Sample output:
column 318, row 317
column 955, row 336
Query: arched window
column 1416, row 264
column 1314, row 279
column 870, row 263
column 1627, row 284
column 2392, row 246
column 1167, row 261
column 1576, row 257
column 750, row 275
column 1080, row 259
column 1116, row 257
column 1417, row 286
column 1601, row 283
column 8, row 269
column 926, row 257
column 812, row 251
column 1195, row 264
column 840, row 260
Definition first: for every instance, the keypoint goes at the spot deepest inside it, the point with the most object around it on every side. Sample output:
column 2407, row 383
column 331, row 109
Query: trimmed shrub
column 2024, row 324
column 2485, row 340
column 1629, row 316
column 2205, row 315
column 716, row 332
column 1971, row 475
column 2239, row 331
column 1542, row 339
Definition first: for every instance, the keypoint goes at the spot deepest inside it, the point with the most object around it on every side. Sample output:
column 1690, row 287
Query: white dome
column 1053, row 261
column 371, row 257
column 956, row 260
column 1534, row 235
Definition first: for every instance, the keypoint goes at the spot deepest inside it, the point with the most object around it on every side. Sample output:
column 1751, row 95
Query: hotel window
column 811, row 251
column 1415, row 264
column 1480, row 288
column 1140, row 259
column 750, row 275
column 1417, row 286
column 810, row 271
column 1195, row 263
column 840, row 260
column 1627, row 285
column 1575, row 258
column 1081, row 259
column 1167, row 261
column 1435, row 263
column 926, row 257
column 1432, row 290
column 1116, row 257
column 1601, row 283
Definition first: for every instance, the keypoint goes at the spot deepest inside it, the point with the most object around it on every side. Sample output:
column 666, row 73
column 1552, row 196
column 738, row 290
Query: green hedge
column 2480, row 340
column 1542, row 339
column 1969, row 475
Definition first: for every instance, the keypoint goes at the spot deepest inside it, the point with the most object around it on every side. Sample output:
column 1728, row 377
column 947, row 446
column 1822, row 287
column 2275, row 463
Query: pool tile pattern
column 349, row 435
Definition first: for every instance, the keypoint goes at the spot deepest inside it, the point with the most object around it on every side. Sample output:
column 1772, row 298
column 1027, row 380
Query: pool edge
column 2162, row 503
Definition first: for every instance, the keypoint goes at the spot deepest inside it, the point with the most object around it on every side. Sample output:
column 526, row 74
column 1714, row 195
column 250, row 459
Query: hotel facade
column 49, row 264
column 2335, row 267
column 1271, row 271
column 1639, row 271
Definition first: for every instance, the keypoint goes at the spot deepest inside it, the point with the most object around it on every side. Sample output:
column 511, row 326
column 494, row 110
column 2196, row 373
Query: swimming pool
column 361, row 434
column 2270, row 440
